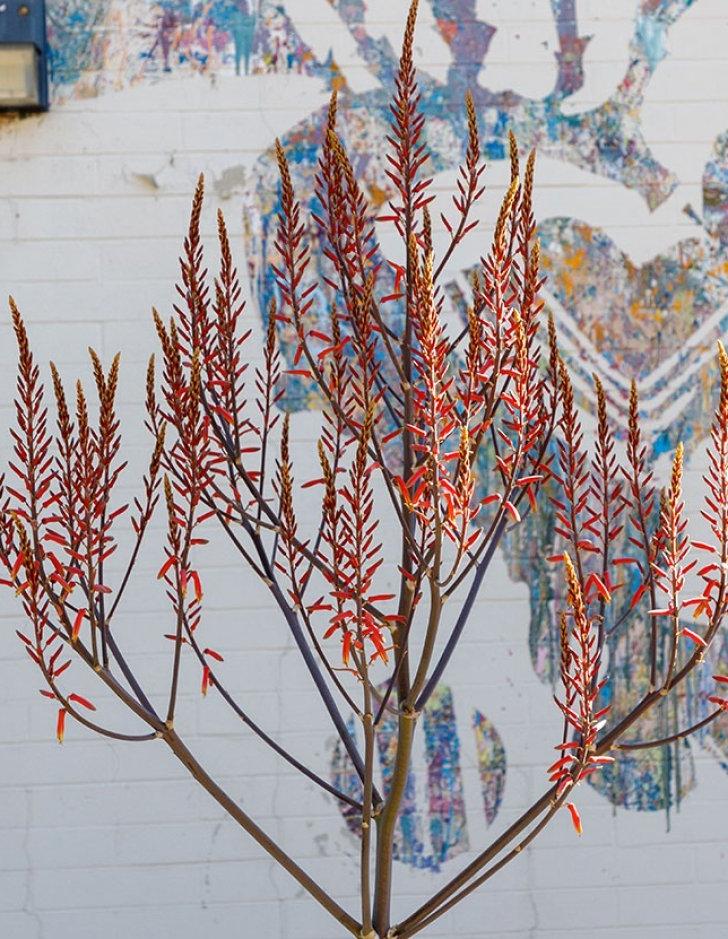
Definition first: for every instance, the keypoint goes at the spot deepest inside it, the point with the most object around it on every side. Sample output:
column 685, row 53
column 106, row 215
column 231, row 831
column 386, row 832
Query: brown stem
column 480, row 861
column 260, row 733
column 387, row 822
column 404, row 932
column 607, row 743
column 428, row 649
column 648, row 744
column 366, row 822
column 233, row 809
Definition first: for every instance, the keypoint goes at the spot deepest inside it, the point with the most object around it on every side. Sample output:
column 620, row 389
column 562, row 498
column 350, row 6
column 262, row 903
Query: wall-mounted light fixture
column 23, row 56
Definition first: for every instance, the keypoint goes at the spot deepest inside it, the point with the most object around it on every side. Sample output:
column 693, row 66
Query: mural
column 100, row 45
column 657, row 321
column 428, row 836
column 491, row 764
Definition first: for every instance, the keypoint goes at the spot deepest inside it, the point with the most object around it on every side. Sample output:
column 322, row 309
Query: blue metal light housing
column 23, row 56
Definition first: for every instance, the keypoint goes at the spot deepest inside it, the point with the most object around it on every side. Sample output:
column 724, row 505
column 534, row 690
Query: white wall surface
column 99, row 838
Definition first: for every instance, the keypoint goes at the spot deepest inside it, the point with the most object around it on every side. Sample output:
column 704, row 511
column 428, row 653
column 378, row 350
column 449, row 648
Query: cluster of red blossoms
column 596, row 500
column 411, row 417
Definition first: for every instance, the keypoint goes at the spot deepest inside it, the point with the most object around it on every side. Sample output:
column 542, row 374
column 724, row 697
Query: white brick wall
column 99, row 838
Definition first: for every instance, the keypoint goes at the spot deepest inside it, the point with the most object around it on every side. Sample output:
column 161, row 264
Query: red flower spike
column 77, row 622
column 17, row 565
column 346, row 646
column 694, row 637
column 559, row 764
column 61, row 725
column 595, row 581
column 194, row 577
column 575, row 818
column 84, row 702
column 580, row 663
column 702, row 546
column 638, row 594
column 166, row 566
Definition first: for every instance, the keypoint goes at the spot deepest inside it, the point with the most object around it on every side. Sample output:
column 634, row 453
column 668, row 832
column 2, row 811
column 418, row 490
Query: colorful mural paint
column 657, row 321
column 491, row 764
column 429, row 836
column 100, row 45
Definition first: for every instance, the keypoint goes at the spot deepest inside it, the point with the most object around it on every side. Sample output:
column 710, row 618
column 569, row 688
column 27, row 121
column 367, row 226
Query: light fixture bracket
column 23, row 56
